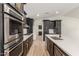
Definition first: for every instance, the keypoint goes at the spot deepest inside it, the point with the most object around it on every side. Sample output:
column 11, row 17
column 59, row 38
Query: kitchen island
column 68, row 46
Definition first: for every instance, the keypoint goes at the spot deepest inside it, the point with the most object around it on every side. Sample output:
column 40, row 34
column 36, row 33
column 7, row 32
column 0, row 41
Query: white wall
column 37, row 22
column 70, row 28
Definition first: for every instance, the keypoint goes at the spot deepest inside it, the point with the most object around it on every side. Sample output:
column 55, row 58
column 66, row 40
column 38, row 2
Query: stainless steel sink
column 56, row 38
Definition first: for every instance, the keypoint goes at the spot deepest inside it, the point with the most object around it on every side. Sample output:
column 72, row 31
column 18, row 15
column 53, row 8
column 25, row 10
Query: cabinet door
column 50, row 47
column 30, row 41
column 47, row 43
column 17, row 51
column 59, row 52
column 58, row 27
column 51, row 24
column 25, row 48
column 45, row 28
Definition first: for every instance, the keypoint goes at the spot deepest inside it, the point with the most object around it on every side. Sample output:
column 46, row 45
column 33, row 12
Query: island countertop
column 71, row 47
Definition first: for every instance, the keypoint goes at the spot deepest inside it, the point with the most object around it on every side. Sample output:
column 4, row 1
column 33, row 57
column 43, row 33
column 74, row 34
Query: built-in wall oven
column 13, row 33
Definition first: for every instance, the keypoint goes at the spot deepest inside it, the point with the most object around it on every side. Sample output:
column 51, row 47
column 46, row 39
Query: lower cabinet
column 50, row 47
column 17, row 51
column 26, row 45
column 58, row 51
column 53, row 49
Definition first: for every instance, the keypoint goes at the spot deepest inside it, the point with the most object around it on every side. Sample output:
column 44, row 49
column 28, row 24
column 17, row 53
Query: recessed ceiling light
column 57, row 12
column 37, row 15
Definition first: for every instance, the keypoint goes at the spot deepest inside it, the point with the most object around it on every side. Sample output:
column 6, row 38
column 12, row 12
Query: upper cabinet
column 20, row 7
column 29, row 22
column 57, row 26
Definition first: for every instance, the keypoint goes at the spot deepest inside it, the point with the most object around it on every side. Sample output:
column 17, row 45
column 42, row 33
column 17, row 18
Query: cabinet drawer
column 16, row 51
column 58, row 51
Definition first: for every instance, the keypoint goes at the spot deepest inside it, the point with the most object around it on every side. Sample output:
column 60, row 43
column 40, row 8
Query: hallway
column 38, row 49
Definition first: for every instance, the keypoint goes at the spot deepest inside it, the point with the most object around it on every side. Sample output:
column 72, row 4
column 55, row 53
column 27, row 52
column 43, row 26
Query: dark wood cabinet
column 27, row 44
column 29, row 22
column 30, row 41
column 57, row 26
column 45, row 28
column 25, row 47
column 58, row 51
column 17, row 51
column 51, row 24
column 50, row 47
column 53, row 49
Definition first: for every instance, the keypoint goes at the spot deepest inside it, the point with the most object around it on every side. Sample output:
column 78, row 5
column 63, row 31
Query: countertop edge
column 27, row 36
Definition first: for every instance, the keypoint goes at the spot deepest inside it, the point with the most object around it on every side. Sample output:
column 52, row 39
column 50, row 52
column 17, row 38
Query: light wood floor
column 38, row 49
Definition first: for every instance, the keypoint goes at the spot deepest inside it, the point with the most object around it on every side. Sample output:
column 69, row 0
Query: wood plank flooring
column 38, row 49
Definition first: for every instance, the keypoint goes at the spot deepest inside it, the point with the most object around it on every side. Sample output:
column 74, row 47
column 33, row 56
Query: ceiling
column 47, row 10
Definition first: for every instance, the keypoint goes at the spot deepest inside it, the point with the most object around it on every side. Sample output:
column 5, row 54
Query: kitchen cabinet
column 53, row 49
column 29, row 22
column 17, row 51
column 45, row 28
column 51, row 24
column 50, row 46
column 57, row 26
column 27, row 44
column 25, row 47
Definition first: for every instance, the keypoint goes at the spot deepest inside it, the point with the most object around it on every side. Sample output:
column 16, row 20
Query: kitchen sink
column 56, row 38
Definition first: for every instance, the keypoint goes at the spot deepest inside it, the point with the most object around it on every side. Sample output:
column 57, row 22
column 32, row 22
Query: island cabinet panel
column 50, row 47
column 53, row 49
column 58, row 51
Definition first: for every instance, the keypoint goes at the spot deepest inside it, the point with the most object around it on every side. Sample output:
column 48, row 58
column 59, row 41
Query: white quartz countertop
column 71, row 47
column 25, row 37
